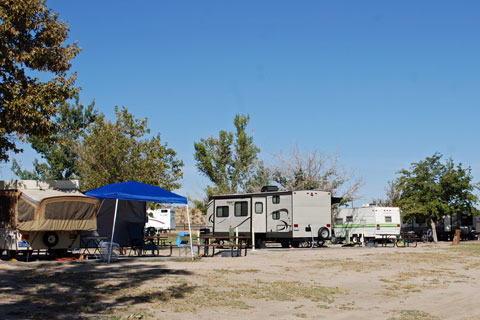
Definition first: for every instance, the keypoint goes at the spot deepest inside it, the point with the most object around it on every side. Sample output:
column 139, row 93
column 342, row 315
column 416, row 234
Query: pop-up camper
column 44, row 215
column 370, row 221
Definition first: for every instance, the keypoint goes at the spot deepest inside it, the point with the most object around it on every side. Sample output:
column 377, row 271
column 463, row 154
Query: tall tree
column 119, row 152
column 229, row 161
column 300, row 170
column 431, row 189
column 71, row 121
column 32, row 43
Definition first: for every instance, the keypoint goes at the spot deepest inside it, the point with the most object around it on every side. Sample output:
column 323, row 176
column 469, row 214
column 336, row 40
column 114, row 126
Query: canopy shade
column 136, row 191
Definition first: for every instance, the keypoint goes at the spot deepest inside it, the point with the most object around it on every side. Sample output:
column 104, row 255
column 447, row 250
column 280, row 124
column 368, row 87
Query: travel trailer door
column 259, row 219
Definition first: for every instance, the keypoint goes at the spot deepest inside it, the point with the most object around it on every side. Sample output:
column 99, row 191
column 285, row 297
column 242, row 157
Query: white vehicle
column 44, row 215
column 288, row 217
column 370, row 221
column 161, row 219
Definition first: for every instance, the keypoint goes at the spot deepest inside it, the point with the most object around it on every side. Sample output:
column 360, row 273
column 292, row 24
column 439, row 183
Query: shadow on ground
column 60, row 290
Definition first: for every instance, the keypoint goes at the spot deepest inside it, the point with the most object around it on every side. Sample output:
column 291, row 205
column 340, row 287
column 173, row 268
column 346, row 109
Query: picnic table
column 234, row 243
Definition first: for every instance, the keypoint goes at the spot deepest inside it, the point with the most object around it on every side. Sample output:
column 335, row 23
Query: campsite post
column 190, row 232
column 113, row 231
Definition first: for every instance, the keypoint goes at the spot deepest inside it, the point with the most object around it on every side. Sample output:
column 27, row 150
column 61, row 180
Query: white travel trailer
column 288, row 217
column 161, row 219
column 370, row 221
column 44, row 215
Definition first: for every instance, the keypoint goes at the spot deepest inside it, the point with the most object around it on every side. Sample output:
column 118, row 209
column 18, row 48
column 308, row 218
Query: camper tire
column 50, row 239
column 355, row 239
column 334, row 240
column 323, row 233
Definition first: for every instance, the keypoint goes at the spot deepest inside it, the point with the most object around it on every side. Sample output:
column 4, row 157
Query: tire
column 334, row 240
column 323, row 233
column 355, row 239
column 50, row 239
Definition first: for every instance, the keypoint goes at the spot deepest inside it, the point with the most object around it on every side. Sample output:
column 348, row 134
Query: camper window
column 275, row 199
column 258, row 207
column 388, row 219
column 241, row 209
column 276, row 215
column 349, row 219
column 338, row 220
column 222, row 212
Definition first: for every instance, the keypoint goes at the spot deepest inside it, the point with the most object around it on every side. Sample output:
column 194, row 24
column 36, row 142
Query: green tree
column 229, row 161
column 71, row 123
column 432, row 189
column 119, row 152
column 32, row 44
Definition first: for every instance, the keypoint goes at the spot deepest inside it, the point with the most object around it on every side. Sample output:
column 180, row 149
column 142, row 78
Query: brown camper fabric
column 26, row 212
column 69, row 210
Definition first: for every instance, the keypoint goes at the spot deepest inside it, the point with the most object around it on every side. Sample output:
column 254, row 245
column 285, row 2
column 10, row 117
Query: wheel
column 50, row 239
column 323, row 233
column 334, row 240
column 355, row 239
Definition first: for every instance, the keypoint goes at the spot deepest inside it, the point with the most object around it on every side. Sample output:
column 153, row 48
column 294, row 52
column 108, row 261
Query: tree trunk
column 434, row 230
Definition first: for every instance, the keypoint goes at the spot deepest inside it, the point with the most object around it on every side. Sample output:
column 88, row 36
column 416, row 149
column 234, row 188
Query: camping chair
column 182, row 242
column 150, row 243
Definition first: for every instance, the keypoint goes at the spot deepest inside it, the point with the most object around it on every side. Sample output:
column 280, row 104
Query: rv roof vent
column 269, row 188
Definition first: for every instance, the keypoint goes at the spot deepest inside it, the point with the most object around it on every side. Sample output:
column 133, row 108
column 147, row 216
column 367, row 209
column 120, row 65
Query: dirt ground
column 427, row 282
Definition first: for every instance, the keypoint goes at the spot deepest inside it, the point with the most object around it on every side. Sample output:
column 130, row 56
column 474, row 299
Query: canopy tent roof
column 136, row 191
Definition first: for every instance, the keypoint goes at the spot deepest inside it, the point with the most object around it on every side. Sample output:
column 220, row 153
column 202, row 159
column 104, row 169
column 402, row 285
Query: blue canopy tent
column 136, row 191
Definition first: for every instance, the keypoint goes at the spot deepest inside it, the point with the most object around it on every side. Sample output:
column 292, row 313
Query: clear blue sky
column 384, row 83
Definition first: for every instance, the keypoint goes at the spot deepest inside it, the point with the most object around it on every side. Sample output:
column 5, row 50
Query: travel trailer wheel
column 323, row 233
column 50, row 239
column 334, row 240
column 355, row 239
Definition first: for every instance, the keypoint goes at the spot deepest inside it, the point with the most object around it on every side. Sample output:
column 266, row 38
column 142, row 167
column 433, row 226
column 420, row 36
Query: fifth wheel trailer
column 44, row 215
column 288, row 217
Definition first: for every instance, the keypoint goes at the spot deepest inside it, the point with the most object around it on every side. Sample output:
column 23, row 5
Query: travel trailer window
column 241, row 209
column 222, row 212
column 276, row 215
column 388, row 219
column 276, row 199
column 338, row 221
column 349, row 219
column 258, row 207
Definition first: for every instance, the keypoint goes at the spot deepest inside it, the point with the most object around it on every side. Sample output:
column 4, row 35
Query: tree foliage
column 432, row 189
column 71, row 123
column 119, row 151
column 230, row 161
column 299, row 170
column 32, row 43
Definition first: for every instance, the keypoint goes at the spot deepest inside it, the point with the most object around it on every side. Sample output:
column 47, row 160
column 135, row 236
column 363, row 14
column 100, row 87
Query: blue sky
column 383, row 83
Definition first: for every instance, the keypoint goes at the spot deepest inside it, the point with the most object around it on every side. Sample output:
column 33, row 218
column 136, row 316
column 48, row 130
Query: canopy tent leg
column 113, row 231
column 190, row 232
